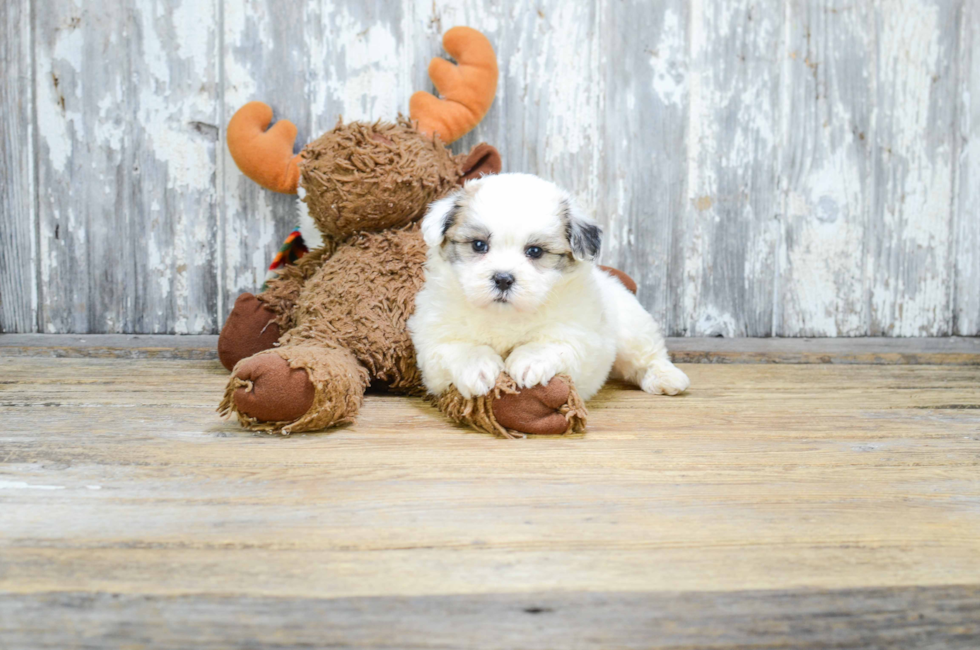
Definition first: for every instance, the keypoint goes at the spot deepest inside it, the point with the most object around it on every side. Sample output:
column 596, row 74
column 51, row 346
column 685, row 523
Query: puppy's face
column 509, row 239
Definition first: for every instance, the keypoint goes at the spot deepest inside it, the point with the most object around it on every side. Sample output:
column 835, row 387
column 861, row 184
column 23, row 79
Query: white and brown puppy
column 510, row 284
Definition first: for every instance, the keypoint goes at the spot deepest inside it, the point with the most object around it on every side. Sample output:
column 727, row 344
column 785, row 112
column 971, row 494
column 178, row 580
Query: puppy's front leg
column 536, row 363
column 473, row 369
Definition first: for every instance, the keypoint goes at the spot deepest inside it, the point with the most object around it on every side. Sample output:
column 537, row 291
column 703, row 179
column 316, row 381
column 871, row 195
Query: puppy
column 511, row 284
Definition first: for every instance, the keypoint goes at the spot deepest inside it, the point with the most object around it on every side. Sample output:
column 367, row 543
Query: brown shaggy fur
column 344, row 307
column 361, row 300
column 283, row 291
column 374, row 176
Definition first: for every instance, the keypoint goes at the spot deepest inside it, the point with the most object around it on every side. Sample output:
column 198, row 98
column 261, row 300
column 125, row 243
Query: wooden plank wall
column 797, row 168
column 18, row 213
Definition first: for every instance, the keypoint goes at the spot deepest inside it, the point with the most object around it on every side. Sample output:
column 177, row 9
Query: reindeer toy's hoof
column 266, row 389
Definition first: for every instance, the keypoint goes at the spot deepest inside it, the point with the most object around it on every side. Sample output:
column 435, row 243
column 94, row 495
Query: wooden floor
column 804, row 506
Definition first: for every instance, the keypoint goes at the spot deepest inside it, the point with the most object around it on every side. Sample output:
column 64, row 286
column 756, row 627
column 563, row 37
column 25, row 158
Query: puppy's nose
column 504, row 281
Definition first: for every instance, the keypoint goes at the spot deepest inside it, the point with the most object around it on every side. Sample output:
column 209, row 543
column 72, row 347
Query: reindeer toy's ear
column 467, row 88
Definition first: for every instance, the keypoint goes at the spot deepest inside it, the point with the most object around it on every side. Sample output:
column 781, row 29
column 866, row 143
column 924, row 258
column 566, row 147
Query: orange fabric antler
column 264, row 156
column 468, row 88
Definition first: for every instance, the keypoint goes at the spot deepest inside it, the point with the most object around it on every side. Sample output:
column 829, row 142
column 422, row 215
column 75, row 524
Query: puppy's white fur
column 562, row 313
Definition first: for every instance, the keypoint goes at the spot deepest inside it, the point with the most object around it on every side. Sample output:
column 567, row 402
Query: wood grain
column 18, row 228
column 774, row 493
column 858, row 619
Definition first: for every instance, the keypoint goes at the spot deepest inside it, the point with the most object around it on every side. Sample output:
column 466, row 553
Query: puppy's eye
column 480, row 246
column 534, row 252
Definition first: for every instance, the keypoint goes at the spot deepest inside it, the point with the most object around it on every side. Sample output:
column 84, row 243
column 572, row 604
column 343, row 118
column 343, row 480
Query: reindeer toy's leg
column 256, row 322
column 251, row 328
column 303, row 385
column 511, row 412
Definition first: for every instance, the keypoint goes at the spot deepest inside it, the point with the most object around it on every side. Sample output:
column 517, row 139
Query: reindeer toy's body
column 342, row 309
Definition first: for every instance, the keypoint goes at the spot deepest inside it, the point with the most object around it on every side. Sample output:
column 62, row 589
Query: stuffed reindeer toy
column 332, row 323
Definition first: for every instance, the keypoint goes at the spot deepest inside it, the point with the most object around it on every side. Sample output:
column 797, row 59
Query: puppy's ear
column 440, row 218
column 583, row 234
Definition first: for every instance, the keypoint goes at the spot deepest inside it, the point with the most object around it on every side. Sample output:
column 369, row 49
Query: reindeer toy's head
column 371, row 176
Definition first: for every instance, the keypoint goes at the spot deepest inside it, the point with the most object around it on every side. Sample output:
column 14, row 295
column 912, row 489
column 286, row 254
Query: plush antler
column 264, row 156
column 468, row 88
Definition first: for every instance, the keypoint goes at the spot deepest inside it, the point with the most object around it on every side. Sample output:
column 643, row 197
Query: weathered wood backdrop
column 762, row 168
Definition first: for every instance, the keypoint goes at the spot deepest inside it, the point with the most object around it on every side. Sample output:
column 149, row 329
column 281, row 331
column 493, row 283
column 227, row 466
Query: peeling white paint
column 570, row 117
column 367, row 87
column 165, row 122
column 909, row 294
column 669, row 62
column 55, row 113
column 196, row 25
column 712, row 322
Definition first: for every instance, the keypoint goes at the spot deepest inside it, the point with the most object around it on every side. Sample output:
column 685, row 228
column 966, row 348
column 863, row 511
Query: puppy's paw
column 531, row 365
column 478, row 374
column 664, row 378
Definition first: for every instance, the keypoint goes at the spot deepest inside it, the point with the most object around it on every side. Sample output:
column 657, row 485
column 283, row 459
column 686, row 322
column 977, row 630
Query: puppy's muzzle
column 503, row 281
